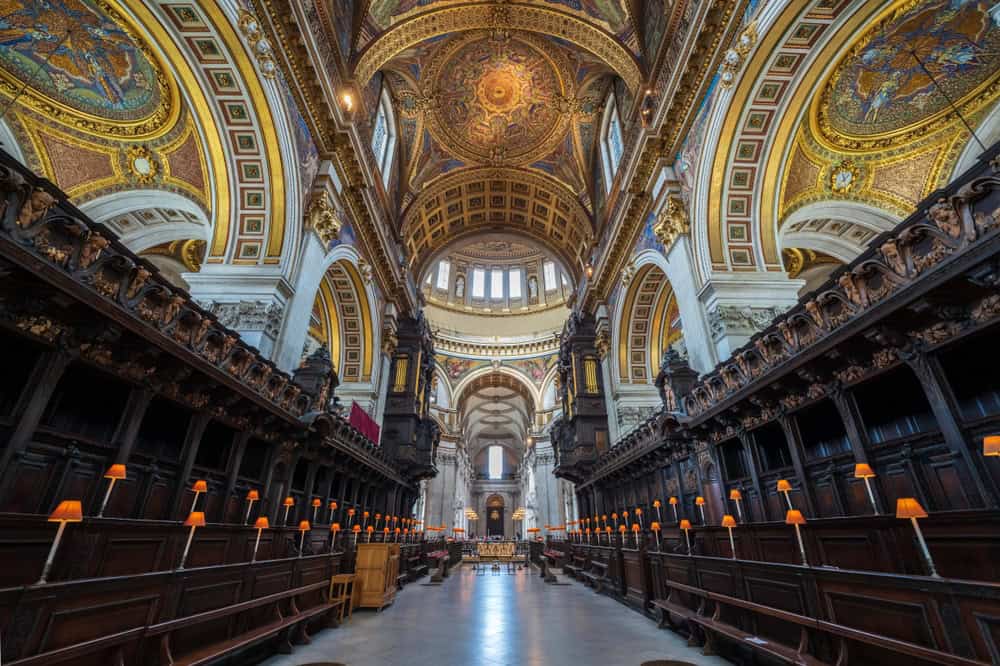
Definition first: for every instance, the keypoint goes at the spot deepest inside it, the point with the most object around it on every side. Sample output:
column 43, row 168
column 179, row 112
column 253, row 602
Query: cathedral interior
column 557, row 331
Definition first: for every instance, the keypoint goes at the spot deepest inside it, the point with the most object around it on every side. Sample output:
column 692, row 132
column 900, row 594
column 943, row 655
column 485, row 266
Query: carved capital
column 322, row 218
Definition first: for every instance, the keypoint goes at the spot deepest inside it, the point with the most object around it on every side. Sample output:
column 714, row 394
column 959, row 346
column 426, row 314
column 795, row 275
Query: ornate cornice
column 719, row 26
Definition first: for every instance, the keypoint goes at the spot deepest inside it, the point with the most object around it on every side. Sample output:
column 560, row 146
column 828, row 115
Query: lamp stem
column 702, row 507
column 302, row 541
column 674, row 507
column 52, row 553
column 687, row 538
column 315, row 509
column 789, row 500
column 739, row 510
column 802, row 547
column 285, row 521
column 732, row 543
column 249, row 508
column 187, row 547
column 923, row 548
column 659, row 518
column 871, row 496
column 195, row 502
column 107, row 496
column 256, row 544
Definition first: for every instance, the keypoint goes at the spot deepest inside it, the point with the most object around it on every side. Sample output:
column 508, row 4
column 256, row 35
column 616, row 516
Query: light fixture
column 304, row 527
column 68, row 511
column 589, row 270
column 991, row 445
column 673, row 505
column 316, row 504
column 194, row 520
column 686, row 526
column 347, row 100
column 908, row 507
column 700, row 503
column 115, row 472
column 261, row 525
column 865, row 471
column 288, row 504
column 794, row 517
column 737, row 496
column 785, row 487
column 729, row 523
column 200, row 486
column 252, row 497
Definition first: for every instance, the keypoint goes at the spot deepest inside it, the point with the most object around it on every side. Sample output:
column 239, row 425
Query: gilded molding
column 672, row 222
column 498, row 16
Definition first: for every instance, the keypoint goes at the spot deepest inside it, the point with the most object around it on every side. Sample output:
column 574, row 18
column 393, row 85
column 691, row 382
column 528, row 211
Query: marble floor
column 496, row 620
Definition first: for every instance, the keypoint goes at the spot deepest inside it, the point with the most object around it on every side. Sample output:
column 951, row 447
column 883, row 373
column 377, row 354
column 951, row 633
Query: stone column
column 602, row 343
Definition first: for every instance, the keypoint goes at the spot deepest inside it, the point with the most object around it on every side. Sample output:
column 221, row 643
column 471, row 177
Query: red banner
column 364, row 423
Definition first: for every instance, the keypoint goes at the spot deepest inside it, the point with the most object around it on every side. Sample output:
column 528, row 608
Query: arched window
column 611, row 141
column 384, row 136
column 496, row 462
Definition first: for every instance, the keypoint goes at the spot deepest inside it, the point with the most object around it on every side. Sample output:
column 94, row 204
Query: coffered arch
column 515, row 201
column 648, row 324
column 484, row 16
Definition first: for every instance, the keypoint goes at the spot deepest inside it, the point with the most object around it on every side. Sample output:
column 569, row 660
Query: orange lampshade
column 625, row 514
column 200, row 486
column 317, row 502
column 370, row 529
column 385, row 529
column 699, row 500
column 685, row 524
column 350, row 512
column 728, row 521
column 289, row 501
column 621, row 528
column 253, row 495
column 655, row 526
column 333, row 506
column 587, row 530
column 396, row 518
column 262, row 523
column 673, row 500
column 614, row 516
column 863, row 471
column 356, row 528
column 335, row 527
column 908, row 507
column 365, row 514
column 70, row 511
column 378, row 516
column 635, row 527
column 195, row 519
column 304, row 526
column 991, row 445
column 784, row 486
column 608, row 529
column 735, row 494
column 656, row 504
column 794, row 517
column 638, row 512
column 117, row 472
column 604, row 516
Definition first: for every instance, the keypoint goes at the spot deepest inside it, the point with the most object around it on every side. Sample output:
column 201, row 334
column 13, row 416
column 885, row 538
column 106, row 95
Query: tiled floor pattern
column 496, row 620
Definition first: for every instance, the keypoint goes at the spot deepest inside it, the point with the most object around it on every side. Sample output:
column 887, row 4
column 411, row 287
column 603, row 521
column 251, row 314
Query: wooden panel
column 87, row 621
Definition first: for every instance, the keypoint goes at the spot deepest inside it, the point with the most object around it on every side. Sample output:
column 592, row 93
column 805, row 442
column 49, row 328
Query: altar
column 496, row 550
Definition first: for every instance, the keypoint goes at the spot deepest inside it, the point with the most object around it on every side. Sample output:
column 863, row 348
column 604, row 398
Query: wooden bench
column 575, row 569
column 554, row 557
column 713, row 627
column 438, row 559
column 287, row 629
column 416, row 568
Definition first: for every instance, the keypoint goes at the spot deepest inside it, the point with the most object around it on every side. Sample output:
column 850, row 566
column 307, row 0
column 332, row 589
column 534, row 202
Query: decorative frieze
column 740, row 320
column 249, row 315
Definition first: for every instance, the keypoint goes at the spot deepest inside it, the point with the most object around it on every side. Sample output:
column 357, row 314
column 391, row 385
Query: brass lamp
column 288, row 504
column 737, row 497
column 908, row 507
column 865, row 471
column 316, row 504
column 700, row 503
column 261, row 525
column 252, row 497
column 686, row 526
column 194, row 520
column 115, row 473
column 334, row 529
column 656, row 505
column 794, row 517
column 655, row 527
column 68, row 511
column 304, row 527
column 729, row 523
column 785, row 487
column 332, row 507
column 673, row 505
column 200, row 486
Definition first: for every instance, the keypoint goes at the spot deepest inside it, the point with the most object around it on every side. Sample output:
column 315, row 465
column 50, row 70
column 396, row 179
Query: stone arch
column 177, row 217
column 988, row 133
column 841, row 229
column 644, row 327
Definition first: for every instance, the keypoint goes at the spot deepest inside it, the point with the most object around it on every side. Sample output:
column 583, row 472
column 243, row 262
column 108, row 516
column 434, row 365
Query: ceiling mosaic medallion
column 84, row 65
column 881, row 95
column 499, row 99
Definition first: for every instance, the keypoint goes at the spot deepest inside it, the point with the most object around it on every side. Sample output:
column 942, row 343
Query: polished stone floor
column 496, row 620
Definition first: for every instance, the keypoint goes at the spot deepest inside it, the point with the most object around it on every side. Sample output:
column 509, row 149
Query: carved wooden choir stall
column 830, row 493
column 168, row 495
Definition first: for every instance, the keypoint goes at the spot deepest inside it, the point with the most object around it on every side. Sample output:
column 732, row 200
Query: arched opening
column 495, row 516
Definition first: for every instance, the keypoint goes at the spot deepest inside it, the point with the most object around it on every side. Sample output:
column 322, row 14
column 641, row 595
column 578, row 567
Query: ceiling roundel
column 85, row 66
column 499, row 100
column 879, row 91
